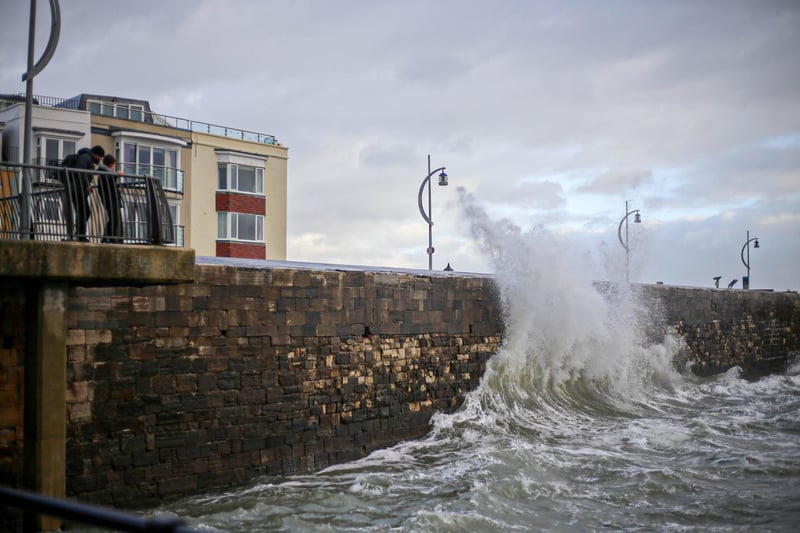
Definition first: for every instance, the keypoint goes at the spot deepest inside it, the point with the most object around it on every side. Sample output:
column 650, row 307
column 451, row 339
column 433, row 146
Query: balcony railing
column 171, row 178
column 124, row 111
column 82, row 205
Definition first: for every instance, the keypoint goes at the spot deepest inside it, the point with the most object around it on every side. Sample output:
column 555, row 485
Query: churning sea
column 580, row 424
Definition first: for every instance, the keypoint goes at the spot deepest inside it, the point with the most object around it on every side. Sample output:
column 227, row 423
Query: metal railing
column 171, row 178
column 89, row 514
column 123, row 111
column 67, row 204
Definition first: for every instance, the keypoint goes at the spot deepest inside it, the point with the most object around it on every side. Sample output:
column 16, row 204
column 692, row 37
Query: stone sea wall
column 178, row 389
column 757, row 331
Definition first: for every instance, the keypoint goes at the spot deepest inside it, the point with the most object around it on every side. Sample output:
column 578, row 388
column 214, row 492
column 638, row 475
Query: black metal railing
column 66, row 204
column 89, row 514
column 171, row 178
column 124, row 111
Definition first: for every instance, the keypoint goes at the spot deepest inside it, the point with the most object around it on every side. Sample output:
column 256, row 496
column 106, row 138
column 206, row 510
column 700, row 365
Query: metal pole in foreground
column 26, row 188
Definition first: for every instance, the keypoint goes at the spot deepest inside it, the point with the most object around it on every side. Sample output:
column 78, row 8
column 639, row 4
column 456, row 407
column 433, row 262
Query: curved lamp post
column 746, row 281
column 427, row 216
column 26, row 191
column 637, row 220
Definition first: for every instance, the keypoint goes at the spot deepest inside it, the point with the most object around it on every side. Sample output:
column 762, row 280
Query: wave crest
column 570, row 342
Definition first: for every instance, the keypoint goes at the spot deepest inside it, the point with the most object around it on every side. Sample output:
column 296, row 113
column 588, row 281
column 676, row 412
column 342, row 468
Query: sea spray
column 563, row 328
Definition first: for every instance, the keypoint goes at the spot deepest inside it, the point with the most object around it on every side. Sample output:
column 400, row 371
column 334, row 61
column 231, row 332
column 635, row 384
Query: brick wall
column 758, row 331
column 241, row 249
column 241, row 203
column 11, row 379
column 178, row 389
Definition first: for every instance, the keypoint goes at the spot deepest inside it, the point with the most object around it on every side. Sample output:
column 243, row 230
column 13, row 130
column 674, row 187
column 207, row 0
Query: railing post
column 159, row 218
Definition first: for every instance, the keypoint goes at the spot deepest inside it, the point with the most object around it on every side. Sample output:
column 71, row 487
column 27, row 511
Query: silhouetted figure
column 716, row 281
column 109, row 195
column 732, row 283
column 78, row 187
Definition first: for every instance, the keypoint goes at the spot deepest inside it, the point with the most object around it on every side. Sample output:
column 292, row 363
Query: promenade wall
column 757, row 331
column 181, row 388
column 176, row 389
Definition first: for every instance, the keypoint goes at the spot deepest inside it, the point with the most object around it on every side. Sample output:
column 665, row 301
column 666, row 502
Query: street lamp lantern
column 746, row 280
column 427, row 215
column 637, row 219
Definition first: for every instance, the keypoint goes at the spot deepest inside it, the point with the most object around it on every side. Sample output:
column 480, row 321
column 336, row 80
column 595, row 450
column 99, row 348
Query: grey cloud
column 523, row 194
column 615, row 182
column 384, row 154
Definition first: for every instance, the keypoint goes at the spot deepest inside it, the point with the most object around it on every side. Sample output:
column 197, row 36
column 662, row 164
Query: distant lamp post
column 746, row 280
column 427, row 216
column 636, row 220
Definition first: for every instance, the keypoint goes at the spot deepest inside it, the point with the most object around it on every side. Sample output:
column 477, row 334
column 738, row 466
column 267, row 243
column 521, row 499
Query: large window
column 175, row 213
column 240, row 227
column 147, row 160
column 240, row 178
column 53, row 150
column 126, row 111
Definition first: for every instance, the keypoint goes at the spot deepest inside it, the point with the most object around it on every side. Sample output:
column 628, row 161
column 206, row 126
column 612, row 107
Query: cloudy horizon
column 550, row 115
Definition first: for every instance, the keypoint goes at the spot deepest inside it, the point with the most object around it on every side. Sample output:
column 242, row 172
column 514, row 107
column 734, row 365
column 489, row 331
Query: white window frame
column 111, row 109
column 228, row 227
column 233, row 161
column 41, row 147
column 151, row 142
column 232, row 179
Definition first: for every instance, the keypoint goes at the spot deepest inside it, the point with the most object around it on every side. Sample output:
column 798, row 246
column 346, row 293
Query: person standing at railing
column 79, row 186
column 109, row 195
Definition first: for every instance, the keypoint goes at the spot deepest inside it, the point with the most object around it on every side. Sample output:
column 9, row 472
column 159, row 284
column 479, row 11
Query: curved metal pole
column 426, row 181
column 427, row 216
column 625, row 244
column 52, row 42
column 619, row 229
column 747, row 246
column 26, row 188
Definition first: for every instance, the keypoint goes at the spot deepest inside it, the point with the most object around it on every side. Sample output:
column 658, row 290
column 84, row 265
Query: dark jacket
column 85, row 161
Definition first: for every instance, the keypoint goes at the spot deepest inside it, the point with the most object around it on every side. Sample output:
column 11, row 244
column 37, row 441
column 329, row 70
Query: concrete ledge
column 96, row 264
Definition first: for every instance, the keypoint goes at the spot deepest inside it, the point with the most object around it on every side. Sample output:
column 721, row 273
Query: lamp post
column 746, row 281
column 637, row 220
column 26, row 186
column 427, row 216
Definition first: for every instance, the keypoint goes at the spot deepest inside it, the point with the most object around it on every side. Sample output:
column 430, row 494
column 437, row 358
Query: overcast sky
column 549, row 115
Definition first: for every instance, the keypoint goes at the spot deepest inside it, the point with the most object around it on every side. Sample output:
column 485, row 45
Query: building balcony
column 171, row 178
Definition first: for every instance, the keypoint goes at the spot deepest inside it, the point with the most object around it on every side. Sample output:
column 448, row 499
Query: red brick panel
column 241, row 249
column 241, row 203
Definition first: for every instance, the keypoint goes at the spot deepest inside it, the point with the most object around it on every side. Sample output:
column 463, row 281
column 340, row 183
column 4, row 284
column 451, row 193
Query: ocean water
column 580, row 424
